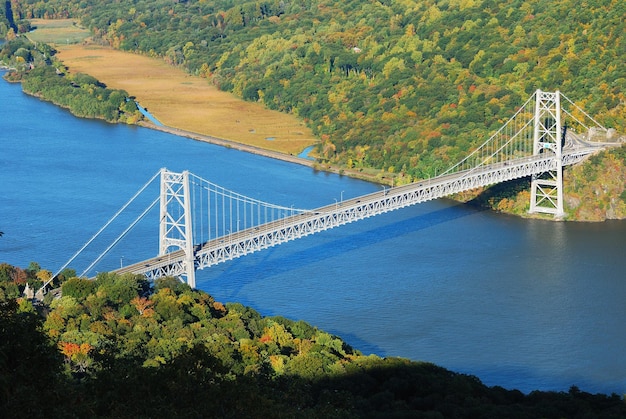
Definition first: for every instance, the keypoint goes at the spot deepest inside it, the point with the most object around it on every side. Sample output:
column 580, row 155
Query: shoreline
column 188, row 102
column 289, row 158
column 290, row 154
column 229, row 144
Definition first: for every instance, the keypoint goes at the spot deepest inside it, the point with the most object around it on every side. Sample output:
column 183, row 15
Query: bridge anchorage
column 202, row 224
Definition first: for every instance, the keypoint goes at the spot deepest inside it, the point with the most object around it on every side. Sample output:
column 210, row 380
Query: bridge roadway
column 253, row 239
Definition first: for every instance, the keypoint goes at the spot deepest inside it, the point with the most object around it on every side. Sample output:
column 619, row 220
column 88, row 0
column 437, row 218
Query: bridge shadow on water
column 240, row 274
column 339, row 245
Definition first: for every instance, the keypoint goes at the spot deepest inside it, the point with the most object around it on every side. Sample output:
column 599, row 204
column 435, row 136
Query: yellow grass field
column 190, row 103
column 172, row 96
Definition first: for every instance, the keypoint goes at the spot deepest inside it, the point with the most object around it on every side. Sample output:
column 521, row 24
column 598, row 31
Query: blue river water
column 522, row 304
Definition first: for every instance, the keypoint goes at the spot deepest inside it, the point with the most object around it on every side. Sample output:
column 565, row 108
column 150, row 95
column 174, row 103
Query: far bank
column 598, row 205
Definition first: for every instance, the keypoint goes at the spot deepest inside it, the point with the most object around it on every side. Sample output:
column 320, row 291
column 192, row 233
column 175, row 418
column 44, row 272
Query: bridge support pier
column 546, row 193
column 175, row 225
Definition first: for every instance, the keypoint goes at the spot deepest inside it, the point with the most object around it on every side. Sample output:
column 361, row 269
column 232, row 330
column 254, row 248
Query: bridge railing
column 241, row 242
column 229, row 224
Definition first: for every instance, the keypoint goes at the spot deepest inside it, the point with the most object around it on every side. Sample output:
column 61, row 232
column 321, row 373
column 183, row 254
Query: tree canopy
column 400, row 86
column 119, row 346
column 44, row 76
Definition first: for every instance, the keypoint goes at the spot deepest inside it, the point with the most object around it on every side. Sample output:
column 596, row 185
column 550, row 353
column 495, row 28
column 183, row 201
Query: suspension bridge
column 202, row 224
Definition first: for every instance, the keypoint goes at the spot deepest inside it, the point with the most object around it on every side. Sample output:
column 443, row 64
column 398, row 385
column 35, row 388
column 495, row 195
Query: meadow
column 174, row 97
column 57, row 32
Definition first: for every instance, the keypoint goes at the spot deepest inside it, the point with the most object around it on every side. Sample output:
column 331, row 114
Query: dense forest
column 120, row 346
column 404, row 87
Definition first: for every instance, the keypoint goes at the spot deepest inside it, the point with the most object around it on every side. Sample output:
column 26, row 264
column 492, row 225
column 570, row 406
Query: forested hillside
column 122, row 347
column 402, row 86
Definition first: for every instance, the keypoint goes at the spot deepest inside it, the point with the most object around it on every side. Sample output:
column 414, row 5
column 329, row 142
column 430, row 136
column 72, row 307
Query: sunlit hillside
column 406, row 87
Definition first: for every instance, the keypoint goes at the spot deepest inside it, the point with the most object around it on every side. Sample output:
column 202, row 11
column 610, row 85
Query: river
column 522, row 304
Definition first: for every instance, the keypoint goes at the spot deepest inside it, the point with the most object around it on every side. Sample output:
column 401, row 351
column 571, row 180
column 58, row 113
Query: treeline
column 406, row 87
column 119, row 346
column 9, row 27
column 44, row 76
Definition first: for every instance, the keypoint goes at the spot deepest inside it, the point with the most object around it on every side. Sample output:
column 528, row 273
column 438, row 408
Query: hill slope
column 117, row 347
column 404, row 87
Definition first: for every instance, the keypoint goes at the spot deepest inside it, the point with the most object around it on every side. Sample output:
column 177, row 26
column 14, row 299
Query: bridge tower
column 175, row 225
column 546, row 194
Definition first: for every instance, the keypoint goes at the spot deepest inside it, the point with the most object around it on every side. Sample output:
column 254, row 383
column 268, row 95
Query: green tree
column 79, row 288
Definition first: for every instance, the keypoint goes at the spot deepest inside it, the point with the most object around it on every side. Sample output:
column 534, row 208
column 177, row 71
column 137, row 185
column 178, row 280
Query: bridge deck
column 270, row 234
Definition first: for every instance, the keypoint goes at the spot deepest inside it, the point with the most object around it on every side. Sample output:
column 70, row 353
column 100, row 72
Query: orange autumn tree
column 77, row 356
column 142, row 305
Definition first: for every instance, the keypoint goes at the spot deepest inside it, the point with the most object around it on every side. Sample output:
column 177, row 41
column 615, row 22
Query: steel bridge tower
column 546, row 194
column 175, row 225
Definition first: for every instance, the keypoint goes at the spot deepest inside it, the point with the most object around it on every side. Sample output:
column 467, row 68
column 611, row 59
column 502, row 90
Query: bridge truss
column 202, row 224
column 195, row 211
